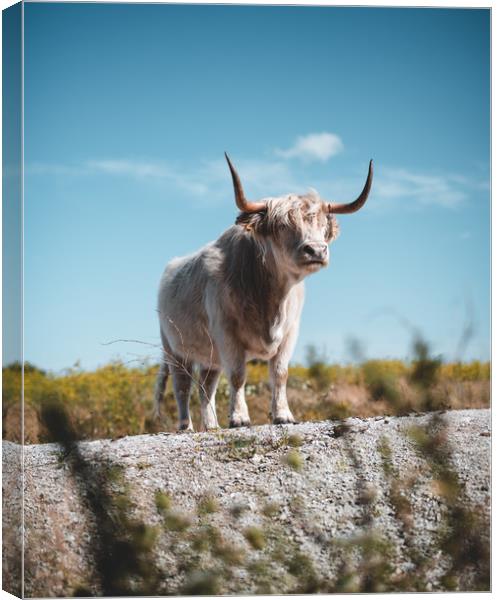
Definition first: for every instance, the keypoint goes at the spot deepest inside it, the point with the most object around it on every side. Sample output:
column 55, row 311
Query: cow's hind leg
column 160, row 386
column 182, row 384
column 207, row 388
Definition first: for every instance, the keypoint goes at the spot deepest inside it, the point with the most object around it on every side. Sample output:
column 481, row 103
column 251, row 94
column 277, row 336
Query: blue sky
column 129, row 108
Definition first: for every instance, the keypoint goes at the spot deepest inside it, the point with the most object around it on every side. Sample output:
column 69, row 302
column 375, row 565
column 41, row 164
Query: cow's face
column 298, row 230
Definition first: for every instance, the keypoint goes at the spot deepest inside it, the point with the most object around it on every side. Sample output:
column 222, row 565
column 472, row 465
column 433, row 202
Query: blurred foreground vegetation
column 116, row 400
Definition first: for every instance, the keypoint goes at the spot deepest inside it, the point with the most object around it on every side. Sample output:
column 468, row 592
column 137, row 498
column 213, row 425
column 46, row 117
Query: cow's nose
column 316, row 250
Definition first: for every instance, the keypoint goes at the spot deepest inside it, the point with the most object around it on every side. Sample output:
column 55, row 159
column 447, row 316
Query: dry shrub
column 116, row 400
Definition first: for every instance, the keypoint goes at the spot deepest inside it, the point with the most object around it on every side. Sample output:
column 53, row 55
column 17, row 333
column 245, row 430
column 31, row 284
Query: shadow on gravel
column 124, row 557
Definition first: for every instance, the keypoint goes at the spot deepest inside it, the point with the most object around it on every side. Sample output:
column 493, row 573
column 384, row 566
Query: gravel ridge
column 316, row 473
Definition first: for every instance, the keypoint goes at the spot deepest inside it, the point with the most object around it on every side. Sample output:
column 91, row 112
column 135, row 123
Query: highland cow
column 240, row 297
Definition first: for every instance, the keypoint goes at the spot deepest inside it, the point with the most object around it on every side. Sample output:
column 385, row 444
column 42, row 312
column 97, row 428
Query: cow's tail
column 160, row 387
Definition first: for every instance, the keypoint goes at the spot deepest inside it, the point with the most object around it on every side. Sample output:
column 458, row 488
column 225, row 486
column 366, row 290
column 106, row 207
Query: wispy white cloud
column 446, row 190
column 313, row 147
column 210, row 180
column 403, row 188
column 149, row 170
column 139, row 169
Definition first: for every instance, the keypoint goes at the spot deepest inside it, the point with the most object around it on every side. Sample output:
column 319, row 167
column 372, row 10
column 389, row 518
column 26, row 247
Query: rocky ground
column 381, row 504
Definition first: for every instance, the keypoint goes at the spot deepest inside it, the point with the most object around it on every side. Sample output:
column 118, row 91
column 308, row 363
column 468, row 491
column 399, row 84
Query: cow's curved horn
column 357, row 204
column 243, row 204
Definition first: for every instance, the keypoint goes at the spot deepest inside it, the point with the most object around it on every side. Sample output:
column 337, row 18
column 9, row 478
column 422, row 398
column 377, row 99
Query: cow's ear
column 333, row 229
column 253, row 221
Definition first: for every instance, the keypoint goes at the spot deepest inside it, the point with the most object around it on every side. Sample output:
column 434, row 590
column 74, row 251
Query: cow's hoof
column 185, row 428
column 239, row 423
column 284, row 421
column 210, row 428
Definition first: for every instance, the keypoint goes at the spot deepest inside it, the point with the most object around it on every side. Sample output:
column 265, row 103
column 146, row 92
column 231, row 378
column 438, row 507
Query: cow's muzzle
column 315, row 253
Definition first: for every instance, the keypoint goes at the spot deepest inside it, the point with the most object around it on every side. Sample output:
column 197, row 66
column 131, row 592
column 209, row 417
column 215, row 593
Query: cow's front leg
column 278, row 371
column 239, row 416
